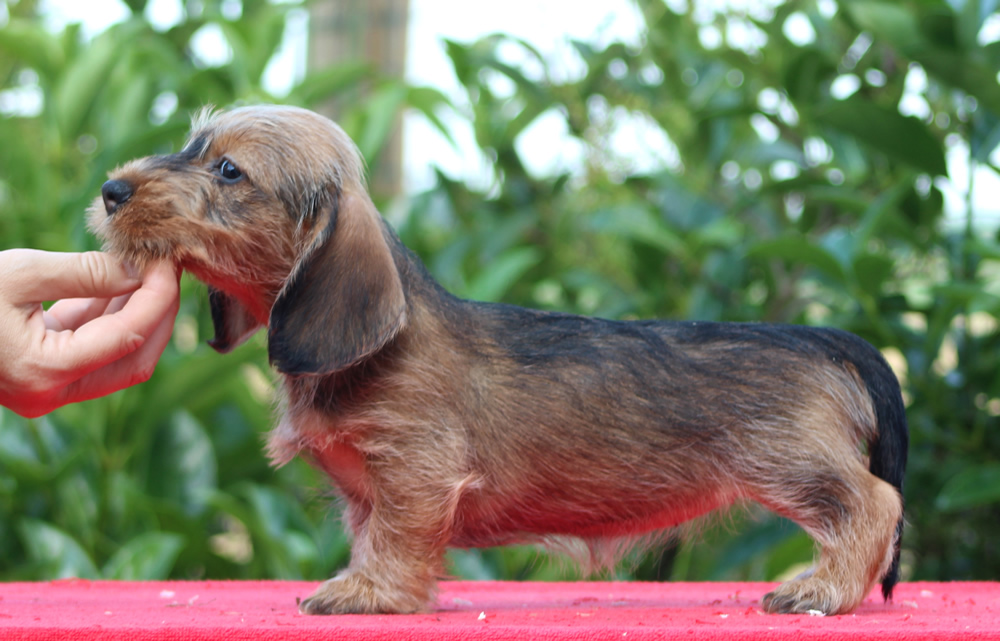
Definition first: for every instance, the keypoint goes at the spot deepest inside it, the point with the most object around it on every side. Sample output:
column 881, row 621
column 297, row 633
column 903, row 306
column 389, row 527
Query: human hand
column 106, row 331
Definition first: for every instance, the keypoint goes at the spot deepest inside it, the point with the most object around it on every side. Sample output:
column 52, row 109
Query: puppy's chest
column 346, row 467
column 332, row 448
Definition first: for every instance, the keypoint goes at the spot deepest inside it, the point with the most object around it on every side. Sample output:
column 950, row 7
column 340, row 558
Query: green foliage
column 777, row 198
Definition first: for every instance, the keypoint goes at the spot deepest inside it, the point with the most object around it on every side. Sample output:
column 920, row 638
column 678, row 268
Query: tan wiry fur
column 445, row 422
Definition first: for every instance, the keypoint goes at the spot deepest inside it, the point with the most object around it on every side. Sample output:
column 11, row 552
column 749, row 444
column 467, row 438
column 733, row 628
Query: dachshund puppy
column 445, row 422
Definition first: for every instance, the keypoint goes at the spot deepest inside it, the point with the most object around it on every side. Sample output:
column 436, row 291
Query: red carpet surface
column 210, row 610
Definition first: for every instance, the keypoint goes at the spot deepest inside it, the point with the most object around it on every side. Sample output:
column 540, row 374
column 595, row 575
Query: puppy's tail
column 888, row 449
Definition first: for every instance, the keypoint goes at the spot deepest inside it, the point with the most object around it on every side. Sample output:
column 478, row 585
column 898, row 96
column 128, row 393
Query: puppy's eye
column 228, row 170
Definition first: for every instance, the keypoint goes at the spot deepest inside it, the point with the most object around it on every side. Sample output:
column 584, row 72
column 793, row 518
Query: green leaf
column 502, row 273
column 974, row 76
column 470, row 565
column 147, row 557
column 55, row 551
column 797, row 249
column 878, row 212
column 81, row 81
column 949, row 60
column 32, row 44
column 276, row 523
column 805, row 75
column 428, row 101
column 638, row 223
column 965, row 293
column 132, row 109
column 799, row 549
column 761, row 153
column 682, row 207
column 267, row 32
column 872, row 271
column 724, row 232
column 380, row 116
column 328, row 82
column 137, row 6
column 34, row 450
column 904, row 138
column 975, row 486
column 17, row 450
column 191, row 381
column 985, row 135
column 459, row 54
column 757, row 544
column 969, row 20
column 271, row 509
column 81, row 510
column 893, row 21
column 182, row 466
column 985, row 248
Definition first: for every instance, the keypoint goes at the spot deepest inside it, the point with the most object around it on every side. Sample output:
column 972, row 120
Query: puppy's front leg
column 389, row 573
column 396, row 558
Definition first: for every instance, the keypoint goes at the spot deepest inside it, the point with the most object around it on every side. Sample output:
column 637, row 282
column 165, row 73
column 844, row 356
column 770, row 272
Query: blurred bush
column 733, row 165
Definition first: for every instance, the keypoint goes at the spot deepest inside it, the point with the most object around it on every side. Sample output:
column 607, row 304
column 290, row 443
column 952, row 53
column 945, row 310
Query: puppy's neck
column 255, row 292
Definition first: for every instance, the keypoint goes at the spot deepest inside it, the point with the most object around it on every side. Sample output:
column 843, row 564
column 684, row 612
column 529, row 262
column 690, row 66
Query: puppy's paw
column 353, row 593
column 806, row 595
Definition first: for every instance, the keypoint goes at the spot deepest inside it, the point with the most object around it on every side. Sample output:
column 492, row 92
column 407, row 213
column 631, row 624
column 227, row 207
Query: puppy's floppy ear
column 233, row 323
column 344, row 300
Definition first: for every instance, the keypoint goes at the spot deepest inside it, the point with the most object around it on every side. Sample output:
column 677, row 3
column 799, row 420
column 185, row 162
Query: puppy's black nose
column 115, row 193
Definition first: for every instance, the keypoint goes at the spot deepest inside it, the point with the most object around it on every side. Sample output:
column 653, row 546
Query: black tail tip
column 890, row 580
column 891, row 577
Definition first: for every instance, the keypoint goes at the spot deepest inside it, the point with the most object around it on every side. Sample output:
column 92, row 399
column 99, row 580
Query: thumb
column 32, row 276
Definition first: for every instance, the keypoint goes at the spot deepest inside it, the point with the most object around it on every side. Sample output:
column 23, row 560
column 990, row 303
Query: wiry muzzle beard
column 138, row 250
column 154, row 208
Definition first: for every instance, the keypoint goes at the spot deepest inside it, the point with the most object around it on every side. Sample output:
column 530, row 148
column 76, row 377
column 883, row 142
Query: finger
column 146, row 306
column 31, row 276
column 110, row 337
column 134, row 368
column 70, row 313
column 117, row 303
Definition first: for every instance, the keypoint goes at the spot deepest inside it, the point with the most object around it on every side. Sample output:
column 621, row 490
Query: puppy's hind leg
column 853, row 515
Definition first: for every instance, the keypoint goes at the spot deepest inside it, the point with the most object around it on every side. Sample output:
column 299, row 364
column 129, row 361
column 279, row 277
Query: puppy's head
column 267, row 206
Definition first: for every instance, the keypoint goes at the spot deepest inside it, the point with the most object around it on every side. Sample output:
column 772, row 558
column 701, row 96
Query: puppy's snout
column 115, row 194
